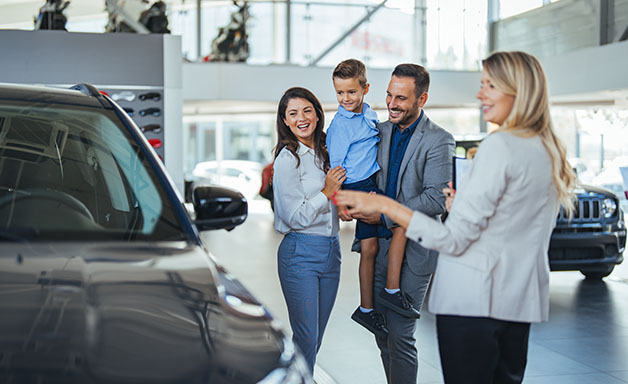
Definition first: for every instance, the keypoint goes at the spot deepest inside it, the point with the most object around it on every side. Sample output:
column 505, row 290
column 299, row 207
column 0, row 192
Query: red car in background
column 266, row 189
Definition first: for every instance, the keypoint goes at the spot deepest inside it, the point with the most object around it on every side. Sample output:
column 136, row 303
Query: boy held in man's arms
column 352, row 143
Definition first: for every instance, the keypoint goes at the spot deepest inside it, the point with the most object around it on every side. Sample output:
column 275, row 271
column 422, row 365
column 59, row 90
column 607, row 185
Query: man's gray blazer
column 425, row 170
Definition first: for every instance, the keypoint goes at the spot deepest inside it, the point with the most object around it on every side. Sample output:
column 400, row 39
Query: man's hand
column 450, row 194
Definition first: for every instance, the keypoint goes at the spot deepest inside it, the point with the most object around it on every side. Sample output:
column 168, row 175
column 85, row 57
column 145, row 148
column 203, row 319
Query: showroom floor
column 585, row 341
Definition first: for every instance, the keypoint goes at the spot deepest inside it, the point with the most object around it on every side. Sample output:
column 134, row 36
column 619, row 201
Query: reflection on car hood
column 590, row 188
column 125, row 313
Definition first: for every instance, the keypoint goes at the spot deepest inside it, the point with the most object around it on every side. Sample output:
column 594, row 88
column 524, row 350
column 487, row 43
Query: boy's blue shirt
column 352, row 143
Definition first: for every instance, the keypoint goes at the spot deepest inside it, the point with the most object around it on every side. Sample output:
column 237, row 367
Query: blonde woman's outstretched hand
column 358, row 203
column 367, row 205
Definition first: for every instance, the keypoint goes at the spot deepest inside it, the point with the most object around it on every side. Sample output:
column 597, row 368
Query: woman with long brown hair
column 492, row 277
column 303, row 184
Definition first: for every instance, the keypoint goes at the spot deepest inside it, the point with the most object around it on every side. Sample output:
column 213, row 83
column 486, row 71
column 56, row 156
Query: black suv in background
column 103, row 275
column 593, row 240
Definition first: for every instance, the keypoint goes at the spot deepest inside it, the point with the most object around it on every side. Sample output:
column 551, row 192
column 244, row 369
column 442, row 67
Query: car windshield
column 76, row 173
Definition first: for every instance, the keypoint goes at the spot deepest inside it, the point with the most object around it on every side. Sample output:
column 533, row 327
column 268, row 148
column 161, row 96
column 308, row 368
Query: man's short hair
column 351, row 69
column 420, row 75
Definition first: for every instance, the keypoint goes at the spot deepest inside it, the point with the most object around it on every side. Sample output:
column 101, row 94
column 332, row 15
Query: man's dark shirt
column 398, row 145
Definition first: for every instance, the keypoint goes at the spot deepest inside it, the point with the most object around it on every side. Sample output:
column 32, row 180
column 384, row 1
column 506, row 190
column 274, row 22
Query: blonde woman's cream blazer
column 493, row 246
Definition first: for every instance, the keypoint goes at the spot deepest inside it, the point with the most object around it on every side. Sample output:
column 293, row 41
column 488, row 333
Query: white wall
column 590, row 74
column 247, row 83
column 108, row 61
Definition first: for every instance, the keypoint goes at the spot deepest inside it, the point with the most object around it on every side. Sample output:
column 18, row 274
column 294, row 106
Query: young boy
column 352, row 143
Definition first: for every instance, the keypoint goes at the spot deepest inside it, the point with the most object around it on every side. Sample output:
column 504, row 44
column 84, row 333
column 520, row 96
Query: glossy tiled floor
column 585, row 341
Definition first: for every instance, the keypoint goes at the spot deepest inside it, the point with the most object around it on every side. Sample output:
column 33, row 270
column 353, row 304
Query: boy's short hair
column 351, row 69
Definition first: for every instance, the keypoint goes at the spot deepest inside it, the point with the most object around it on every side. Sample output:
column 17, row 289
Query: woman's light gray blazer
column 493, row 246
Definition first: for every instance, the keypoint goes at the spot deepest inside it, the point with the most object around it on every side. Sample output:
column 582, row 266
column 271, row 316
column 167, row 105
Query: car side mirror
column 218, row 208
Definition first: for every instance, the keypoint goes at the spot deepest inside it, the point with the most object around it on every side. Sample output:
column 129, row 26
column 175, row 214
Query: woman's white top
column 493, row 246
column 300, row 206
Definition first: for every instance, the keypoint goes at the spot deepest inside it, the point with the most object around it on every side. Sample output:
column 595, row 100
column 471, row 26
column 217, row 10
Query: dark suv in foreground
column 594, row 239
column 103, row 275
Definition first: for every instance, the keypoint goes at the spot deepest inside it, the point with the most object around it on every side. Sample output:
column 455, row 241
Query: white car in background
column 241, row 175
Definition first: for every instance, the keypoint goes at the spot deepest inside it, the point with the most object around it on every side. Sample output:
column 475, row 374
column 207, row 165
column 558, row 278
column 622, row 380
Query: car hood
column 598, row 190
column 128, row 313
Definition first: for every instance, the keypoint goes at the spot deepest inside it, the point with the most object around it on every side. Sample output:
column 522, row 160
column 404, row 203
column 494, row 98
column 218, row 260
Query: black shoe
column 399, row 302
column 373, row 321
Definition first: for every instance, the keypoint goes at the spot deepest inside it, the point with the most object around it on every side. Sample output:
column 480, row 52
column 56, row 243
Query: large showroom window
column 596, row 142
column 251, row 137
column 235, row 137
column 454, row 37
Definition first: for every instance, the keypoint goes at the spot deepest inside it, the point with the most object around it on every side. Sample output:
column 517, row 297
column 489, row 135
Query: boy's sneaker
column 373, row 321
column 399, row 302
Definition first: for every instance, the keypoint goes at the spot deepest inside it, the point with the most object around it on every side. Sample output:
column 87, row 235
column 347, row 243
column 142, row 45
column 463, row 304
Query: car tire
column 598, row 273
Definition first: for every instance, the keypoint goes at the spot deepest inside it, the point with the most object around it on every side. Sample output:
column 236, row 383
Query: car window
column 232, row 172
column 75, row 172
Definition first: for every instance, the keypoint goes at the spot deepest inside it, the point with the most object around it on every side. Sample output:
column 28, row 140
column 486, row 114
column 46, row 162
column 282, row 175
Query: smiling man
column 415, row 156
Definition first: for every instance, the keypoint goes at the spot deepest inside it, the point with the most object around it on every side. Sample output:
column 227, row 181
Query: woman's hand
column 362, row 204
column 449, row 193
column 358, row 203
column 334, row 179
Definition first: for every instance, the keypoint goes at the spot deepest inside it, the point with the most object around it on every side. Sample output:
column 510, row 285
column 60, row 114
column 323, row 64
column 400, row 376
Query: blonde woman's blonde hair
column 520, row 75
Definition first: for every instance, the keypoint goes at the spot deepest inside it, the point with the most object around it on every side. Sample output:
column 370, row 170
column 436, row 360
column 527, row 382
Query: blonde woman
column 492, row 277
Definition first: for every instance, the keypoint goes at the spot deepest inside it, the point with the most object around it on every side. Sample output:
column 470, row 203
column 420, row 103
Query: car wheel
column 598, row 273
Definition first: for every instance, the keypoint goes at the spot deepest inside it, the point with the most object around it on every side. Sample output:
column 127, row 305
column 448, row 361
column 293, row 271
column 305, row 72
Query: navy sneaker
column 373, row 321
column 399, row 302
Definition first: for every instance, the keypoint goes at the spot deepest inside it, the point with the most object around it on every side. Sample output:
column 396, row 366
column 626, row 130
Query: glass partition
column 441, row 34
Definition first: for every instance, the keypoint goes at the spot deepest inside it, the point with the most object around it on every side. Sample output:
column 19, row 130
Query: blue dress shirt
column 398, row 145
column 352, row 143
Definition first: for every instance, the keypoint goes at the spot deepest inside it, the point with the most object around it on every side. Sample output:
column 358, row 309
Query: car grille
column 587, row 210
column 586, row 253
column 575, row 253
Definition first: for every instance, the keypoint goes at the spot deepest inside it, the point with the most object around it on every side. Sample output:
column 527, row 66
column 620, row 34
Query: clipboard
column 624, row 176
column 460, row 168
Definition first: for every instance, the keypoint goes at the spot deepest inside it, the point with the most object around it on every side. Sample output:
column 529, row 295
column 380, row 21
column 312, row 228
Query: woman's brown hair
column 285, row 137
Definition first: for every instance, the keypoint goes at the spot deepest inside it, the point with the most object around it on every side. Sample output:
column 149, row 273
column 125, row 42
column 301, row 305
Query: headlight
column 296, row 370
column 253, row 310
column 608, row 207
